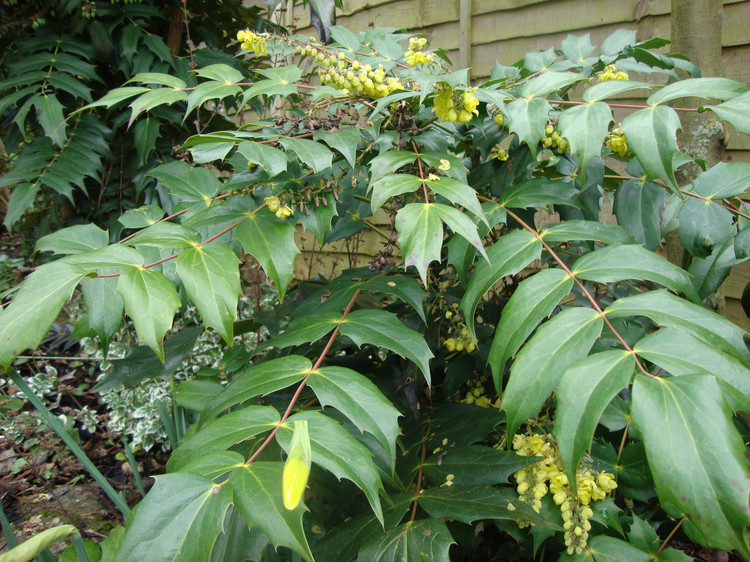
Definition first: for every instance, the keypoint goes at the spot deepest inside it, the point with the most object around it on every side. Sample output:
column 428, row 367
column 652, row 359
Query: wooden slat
column 735, row 63
column 735, row 30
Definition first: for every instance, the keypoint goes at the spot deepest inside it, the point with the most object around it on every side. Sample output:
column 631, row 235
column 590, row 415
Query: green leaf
column 145, row 133
column 583, row 393
column 26, row 320
column 420, row 236
column 210, row 151
column 384, row 329
column 680, row 353
column 405, row 288
column 711, row 88
column 604, row 90
column 104, row 307
column 224, row 432
column 194, row 394
column 179, row 519
column 547, row 82
column 458, row 193
column 557, row 344
column 533, row 300
column 270, row 241
column 73, row 240
column 474, row 465
column 527, row 118
column 736, row 112
column 186, row 182
column 358, row 399
column 666, row 309
column 50, row 114
column 166, row 235
column 704, row 225
column 211, row 278
column 258, row 380
column 337, row 451
column 540, row 192
column 461, row 225
column 114, row 255
column 214, row 464
column 638, row 206
column 457, row 170
column 209, row 91
column 471, row 503
column 426, row 539
column 507, row 256
column 697, row 457
column 220, row 72
column 140, row 363
column 151, row 301
column 342, row 543
column 302, row 330
column 344, row 37
column 618, row 263
column 279, row 83
column 116, row 96
column 154, row 98
column 390, row 186
column 158, row 78
column 586, row 230
column 258, row 496
column 466, row 424
column 585, row 127
column 389, row 162
column 651, row 135
column 723, row 180
column 272, row 160
column 21, row 200
column 313, row 154
column 318, row 219
column 612, row 549
column 141, row 217
column 344, row 140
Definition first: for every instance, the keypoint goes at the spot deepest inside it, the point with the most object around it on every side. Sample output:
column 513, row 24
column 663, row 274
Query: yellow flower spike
column 297, row 466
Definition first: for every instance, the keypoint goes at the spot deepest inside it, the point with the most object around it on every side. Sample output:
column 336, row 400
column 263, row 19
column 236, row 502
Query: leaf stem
column 302, row 384
column 419, row 475
column 421, row 173
column 669, row 537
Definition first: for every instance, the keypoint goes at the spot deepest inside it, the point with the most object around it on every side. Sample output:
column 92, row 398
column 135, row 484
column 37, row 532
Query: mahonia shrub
column 491, row 385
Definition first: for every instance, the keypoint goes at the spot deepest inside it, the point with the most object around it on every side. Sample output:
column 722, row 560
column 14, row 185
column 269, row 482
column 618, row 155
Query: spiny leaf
column 667, row 309
column 26, row 320
column 710, row 88
column 638, row 206
column 474, row 465
column 186, row 182
column 311, row 153
column 270, row 241
column 166, row 235
column 359, row 400
column 179, row 519
column 390, row 186
column 461, row 225
column 258, row 496
column 586, row 230
column 343, row 140
column 618, row 263
column 697, row 457
column 384, row 329
column 651, row 135
column 507, row 256
column 222, row 433
column 420, row 236
column 585, row 127
column 258, row 380
column 584, row 391
column 736, row 112
column 151, row 301
column 212, row 281
column 528, row 118
column 458, row 193
column 426, row 539
column 533, row 300
column 557, row 344
column 337, row 451
column 73, row 240
column 272, row 160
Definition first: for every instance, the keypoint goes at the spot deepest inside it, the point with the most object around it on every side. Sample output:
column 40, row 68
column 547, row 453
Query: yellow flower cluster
column 552, row 139
column 254, row 42
column 477, row 395
column 414, row 55
column 533, row 486
column 455, row 107
column 461, row 343
column 611, row 73
column 499, row 120
column 499, row 153
column 274, row 205
column 351, row 76
column 617, row 142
